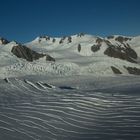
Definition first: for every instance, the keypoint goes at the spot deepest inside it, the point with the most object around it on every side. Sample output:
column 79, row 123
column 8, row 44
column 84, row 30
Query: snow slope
column 79, row 54
column 87, row 60
column 75, row 97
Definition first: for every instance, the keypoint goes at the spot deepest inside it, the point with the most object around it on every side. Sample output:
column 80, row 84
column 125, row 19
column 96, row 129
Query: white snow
column 75, row 97
column 69, row 61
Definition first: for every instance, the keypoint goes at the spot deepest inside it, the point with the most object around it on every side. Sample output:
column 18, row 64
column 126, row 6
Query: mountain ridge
column 77, row 54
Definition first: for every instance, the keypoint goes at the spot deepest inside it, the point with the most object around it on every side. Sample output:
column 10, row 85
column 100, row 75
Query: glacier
column 84, row 94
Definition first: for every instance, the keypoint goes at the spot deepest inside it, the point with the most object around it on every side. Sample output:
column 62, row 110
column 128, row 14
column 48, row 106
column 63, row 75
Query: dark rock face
column 4, row 41
column 53, row 40
column 44, row 37
column 99, row 40
column 108, row 42
column 110, row 37
column 133, row 70
column 79, row 47
column 69, row 39
column 122, row 39
column 49, row 58
column 124, row 53
column 22, row 51
column 95, row 48
column 26, row 53
column 115, row 70
column 80, row 34
column 62, row 40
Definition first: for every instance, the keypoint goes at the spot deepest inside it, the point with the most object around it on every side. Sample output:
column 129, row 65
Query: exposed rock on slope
column 79, row 47
column 49, row 58
column 122, row 52
column 121, row 49
column 115, row 70
column 95, row 48
column 122, row 39
column 99, row 40
column 44, row 37
column 67, row 39
column 77, row 54
column 3, row 41
column 22, row 51
column 95, row 54
column 110, row 37
column 80, row 34
column 133, row 70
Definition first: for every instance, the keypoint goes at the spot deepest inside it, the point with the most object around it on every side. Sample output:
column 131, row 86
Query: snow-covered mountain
column 71, row 88
column 79, row 54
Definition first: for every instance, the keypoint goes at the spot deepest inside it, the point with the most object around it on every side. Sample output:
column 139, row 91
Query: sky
column 24, row 20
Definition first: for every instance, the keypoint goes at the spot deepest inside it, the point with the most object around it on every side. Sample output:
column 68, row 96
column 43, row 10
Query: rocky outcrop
column 130, row 51
column 24, row 52
column 95, row 48
column 80, row 34
column 69, row 39
column 62, row 40
column 133, row 70
column 122, row 39
column 107, row 42
column 3, row 41
column 99, row 40
column 110, row 37
column 53, row 40
column 43, row 37
column 49, row 58
column 122, row 52
column 115, row 70
column 79, row 47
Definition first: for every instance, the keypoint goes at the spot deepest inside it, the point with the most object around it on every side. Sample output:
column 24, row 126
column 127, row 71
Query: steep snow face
column 79, row 54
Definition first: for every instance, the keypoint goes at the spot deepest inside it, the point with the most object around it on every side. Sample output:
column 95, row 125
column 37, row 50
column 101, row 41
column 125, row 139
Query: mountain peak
column 3, row 41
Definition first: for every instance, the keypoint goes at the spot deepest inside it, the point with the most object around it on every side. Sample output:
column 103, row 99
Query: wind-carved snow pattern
column 102, row 108
column 77, row 92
